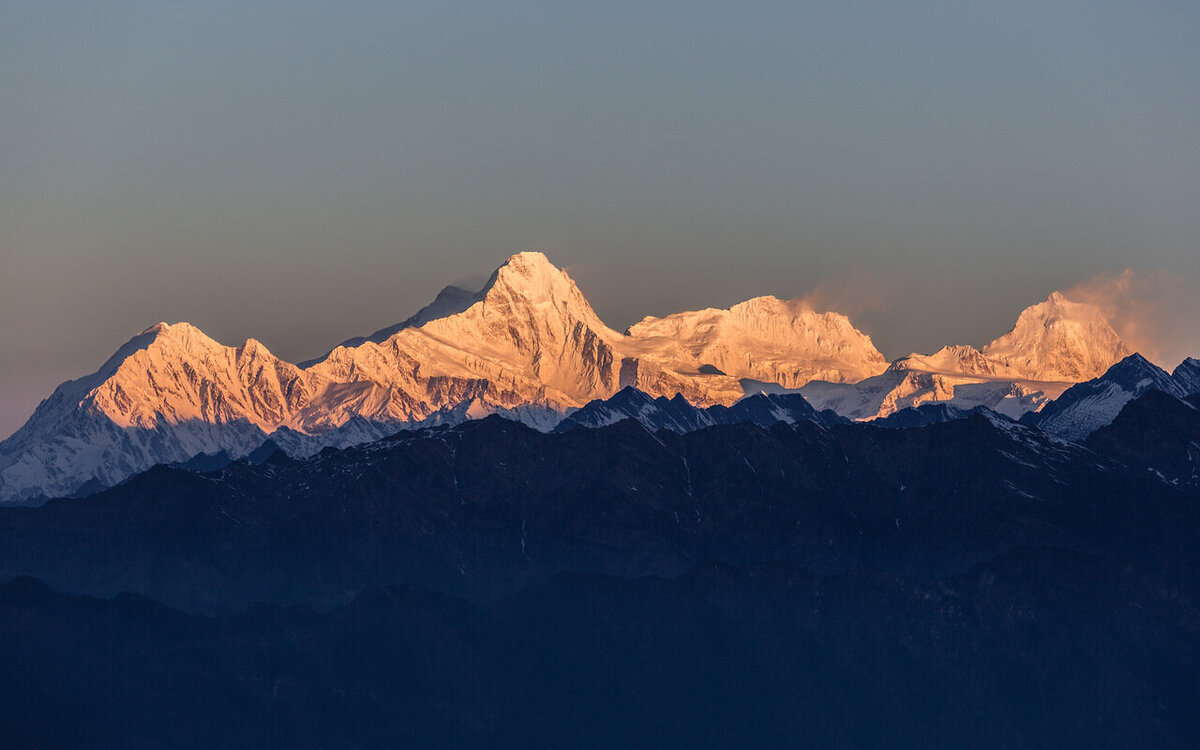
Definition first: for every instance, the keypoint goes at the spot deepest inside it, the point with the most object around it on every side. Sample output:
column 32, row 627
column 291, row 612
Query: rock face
column 528, row 345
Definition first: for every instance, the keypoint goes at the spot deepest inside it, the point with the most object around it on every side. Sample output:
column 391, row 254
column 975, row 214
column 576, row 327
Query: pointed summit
column 528, row 274
column 1085, row 407
column 532, row 317
column 529, row 278
column 1059, row 340
column 530, row 269
column 1136, row 373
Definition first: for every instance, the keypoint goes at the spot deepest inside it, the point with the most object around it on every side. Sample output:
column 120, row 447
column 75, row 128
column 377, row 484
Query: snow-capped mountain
column 1088, row 406
column 1054, row 344
column 166, row 395
column 1059, row 340
column 961, row 376
column 528, row 345
column 765, row 339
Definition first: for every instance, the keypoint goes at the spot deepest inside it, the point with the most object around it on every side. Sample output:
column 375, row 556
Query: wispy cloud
column 1156, row 313
column 852, row 293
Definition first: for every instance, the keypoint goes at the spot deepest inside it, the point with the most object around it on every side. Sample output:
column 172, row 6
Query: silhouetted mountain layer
column 1036, row 648
column 1156, row 433
column 489, row 507
column 677, row 415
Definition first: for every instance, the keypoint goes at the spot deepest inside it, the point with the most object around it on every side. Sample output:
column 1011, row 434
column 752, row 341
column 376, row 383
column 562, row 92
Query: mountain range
column 527, row 346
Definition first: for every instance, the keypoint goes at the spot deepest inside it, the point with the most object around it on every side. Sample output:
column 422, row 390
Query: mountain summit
column 1059, row 340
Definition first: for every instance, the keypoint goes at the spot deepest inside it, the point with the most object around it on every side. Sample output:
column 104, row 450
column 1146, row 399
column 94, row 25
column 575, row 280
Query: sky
column 302, row 172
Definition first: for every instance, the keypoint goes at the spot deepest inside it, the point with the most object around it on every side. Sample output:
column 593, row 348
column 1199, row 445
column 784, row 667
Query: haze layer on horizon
column 303, row 172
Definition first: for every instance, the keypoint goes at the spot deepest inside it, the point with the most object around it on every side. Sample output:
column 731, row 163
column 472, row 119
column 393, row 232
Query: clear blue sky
column 301, row 172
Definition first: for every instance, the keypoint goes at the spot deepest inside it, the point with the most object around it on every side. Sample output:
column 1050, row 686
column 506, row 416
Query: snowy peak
column 530, row 276
column 1136, row 373
column 767, row 339
column 529, row 290
column 182, row 375
column 532, row 323
column 525, row 278
column 1059, row 340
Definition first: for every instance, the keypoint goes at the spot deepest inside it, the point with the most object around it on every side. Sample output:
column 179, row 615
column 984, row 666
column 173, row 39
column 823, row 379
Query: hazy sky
column 302, row 172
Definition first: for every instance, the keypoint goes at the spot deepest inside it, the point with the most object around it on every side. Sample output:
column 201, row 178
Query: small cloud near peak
column 1154, row 312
